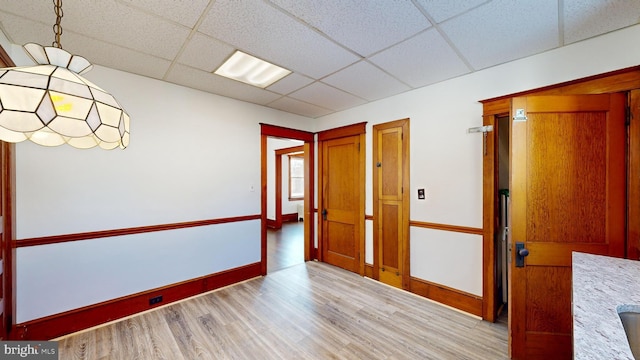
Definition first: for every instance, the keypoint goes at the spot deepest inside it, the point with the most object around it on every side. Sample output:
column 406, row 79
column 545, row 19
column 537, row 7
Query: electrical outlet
column 155, row 300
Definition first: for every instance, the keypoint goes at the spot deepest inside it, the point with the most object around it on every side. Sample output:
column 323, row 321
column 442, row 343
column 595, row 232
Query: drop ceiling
column 342, row 53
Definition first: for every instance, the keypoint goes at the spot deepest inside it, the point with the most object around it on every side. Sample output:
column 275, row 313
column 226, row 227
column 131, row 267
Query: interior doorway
column 272, row 131
column 285, row 203
column 502, row 247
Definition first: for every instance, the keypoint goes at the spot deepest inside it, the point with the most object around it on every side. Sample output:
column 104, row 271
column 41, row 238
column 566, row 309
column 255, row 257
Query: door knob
column 521, row 252
column 324, row 214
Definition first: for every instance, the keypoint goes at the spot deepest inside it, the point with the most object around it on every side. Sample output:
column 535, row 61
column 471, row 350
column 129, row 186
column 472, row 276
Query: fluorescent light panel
column 251, row 70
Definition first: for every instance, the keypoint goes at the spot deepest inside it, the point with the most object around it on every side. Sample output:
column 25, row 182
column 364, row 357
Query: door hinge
column 358, row 146
column 627, row 116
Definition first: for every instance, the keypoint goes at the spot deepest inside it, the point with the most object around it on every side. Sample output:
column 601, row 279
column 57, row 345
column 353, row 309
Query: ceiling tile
column 290, row 83
column 587, row 18
column 112, row 22
column 299, row 107
column 422, row 60
column 30, row 31
column 115, row 57
column 327, row 97
column 366, row 81
column 442, row 10
column 206, row 81
column 185, row 12
column 205, row 53
column 97, row 52
column 33, row 9
column 275, row 37
column 365, row 26
column 504, row 30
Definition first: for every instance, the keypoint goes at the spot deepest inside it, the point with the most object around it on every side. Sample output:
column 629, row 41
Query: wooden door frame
column 358, row 129
column 406, row 263
column 624, row 80
column 8, row 219
column 267, row 131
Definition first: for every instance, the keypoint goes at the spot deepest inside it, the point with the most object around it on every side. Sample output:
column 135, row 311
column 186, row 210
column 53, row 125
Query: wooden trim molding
column 293, row 217
column 613, row 81
column 451, row 297
column 343, row 131
column 445, row 227
column 445, row 295
column 5, row 59
column 289, row 150
column 287, row 133
column 8, row 218
column 46, row 240
column 68, row 322
column 633, row 181
column 368, row 270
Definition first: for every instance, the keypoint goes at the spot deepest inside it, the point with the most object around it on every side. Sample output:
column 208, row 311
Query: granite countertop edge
column 600, row 284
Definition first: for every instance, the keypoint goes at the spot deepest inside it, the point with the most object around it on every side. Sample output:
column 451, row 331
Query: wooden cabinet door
column 568, row 193
column 390, row 202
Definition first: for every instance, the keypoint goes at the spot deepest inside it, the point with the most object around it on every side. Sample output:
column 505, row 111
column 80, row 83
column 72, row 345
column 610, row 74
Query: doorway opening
column 501, row 239
column 285, row 203
column 305, row 211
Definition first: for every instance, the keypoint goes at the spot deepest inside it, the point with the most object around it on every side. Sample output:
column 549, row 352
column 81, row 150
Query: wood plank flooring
column 285, row 247
column 308, row 311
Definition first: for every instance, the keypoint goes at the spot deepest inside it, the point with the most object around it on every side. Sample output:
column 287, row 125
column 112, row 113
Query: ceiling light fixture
column 251, row 70
column 51, row 104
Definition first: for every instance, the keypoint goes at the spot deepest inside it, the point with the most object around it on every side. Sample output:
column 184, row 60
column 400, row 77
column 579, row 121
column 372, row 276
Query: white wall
column 447, row 161
column 177, row 168
column 193, row 156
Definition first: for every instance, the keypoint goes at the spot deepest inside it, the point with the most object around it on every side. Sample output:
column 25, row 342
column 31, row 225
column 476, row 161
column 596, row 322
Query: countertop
column 600, row 285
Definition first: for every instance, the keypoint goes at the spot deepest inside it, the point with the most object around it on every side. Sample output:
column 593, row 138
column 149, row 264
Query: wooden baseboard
column 57, row 325
column 368, row 270
column 293, row 217
column 448, row 296
column 440, row 293
column 272, row 224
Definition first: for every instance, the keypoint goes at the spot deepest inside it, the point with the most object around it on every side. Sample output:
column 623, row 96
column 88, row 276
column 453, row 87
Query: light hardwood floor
column 285, row 247
column 308, row 311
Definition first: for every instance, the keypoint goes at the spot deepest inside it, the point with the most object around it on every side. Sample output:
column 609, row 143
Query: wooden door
column 390, row 203
column 568, row 194
column 342, row 212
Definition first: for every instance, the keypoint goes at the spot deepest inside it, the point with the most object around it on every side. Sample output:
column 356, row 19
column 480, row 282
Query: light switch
column 421, row 195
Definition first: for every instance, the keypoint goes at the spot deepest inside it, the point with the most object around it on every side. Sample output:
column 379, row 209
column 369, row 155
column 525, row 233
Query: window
column 296, row 177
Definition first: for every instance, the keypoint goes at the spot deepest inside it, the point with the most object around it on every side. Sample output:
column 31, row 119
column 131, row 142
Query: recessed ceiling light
column 251, row 70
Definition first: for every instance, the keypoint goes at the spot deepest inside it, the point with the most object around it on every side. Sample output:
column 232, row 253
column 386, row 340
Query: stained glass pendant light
column 52, row 104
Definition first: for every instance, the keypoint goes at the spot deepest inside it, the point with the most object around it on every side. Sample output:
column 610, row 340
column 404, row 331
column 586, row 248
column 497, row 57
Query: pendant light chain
column 57, row 28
